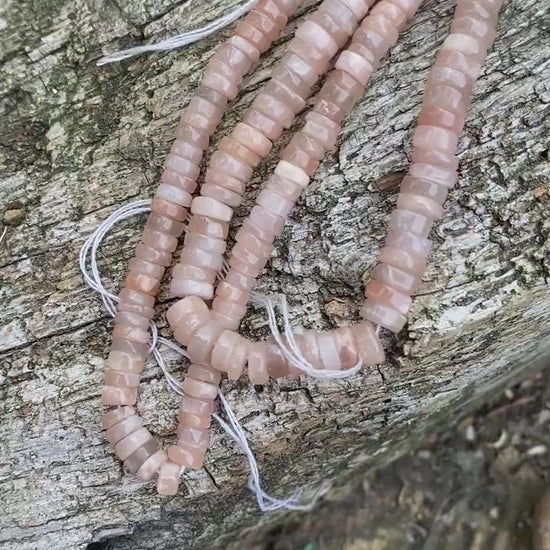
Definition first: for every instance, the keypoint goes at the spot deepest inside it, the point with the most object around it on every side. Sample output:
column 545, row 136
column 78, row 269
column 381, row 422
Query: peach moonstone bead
column 230, row 354
column 169, row 478
column 151, row 466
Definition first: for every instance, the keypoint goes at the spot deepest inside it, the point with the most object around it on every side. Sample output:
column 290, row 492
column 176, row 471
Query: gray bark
column 77, row 140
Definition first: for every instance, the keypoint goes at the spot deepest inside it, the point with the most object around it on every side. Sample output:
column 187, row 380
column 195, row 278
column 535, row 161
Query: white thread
column 183, row 39
column 290, row 349
column 92, row 278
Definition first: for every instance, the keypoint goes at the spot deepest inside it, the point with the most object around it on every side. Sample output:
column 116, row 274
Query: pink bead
column 142, row 283
column 316, row 59
column 247, row 239
column 403, row 282
column 239, row 151
column 120, row 379
column 277, row 366
column 443, row 176
column 460, row 61
column 264, row 24
column 132, row 442
column 134, row 349
column 274, row 108
column 182, row 166
column 202, row 258
column 274, row 11
column 174, row 194
column 312, row 33
column 408, row 6
column 359, row 8
column 187, row 326
column 197, row 136
column 267, row 220
column 177, row 311
column 231, row 293
column 257, row 364
column 204, row 242
column 230, row 165
column 405, row 220
column 328, row 351
column 202, row 342
column 270, row 128
column 134, row 334
column 429, row 156
column 338, row 95
column 253, row 35
column 293, row 173
column 186, row 456
column 153, row 255
column 466, row 44
column 404, row 260
column 206, row 206
column 262, row 233
column 171, row 177
column 169, row 209
column 437, row 116
column 146, row 268
column 275, row 203
column 321, row 128
column 142, row 311
column 291, row 80
column 346, row 346
column 235, row 58
column 299, row 158
column 432, row 137
column 383, row 316
column 424, row 188
column 221, row 84
column 132, row 319
column 419, row 204
column 195, row 273
column 202, row 225
column 125, row 362
column 115, row 416
column 203, row 373
column 124, row 428
column 230, row 354
column 199, row 389
column 309, row 347
column 368, row 344
column 252, row 138
column 447, row 76
column 187, row 150
column 383, row 27
column 384, row 295
column 284, row 187
column 192, row 405
column 298, row 66
column 193, row 437
column 207, row 109
column 327, row 22
column 151, row 466
column 169, row 478
column 191, row 287
column 409, row 241
column 239, row 280
column 246, row 47
column 158, row 240
column 229, row 310
column 392, row 12
column 341, row 14
column 138, row 298
column 355, row 65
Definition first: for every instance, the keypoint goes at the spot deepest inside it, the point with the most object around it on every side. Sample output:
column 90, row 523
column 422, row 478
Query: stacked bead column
column 316, row 41
column 132, row 441
column 434, row 164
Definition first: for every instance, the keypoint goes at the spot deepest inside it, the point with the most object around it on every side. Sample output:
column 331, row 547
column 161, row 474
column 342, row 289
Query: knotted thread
column 188, row 37
column 92, row 277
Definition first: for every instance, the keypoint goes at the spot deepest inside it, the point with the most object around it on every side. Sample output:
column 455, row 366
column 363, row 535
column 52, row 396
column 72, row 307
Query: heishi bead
column 270, row 222
column 135, row 349
column 151, row 466
column 240, row 280
column 341, row 14
column 203, row 373
column 207, row 109
column 274, row 11
column 300, row 158
column 115, row 416
column 383, row 316
column 198, row 407
column 205, row 242
column 202, row 258
column 275, row 203
column 125, row 332
column 359, row 8
column 191, row 287
column 227, row 309
column 447, row 76
column 408, row 6
column 236, row 59
column 170, row 177
column 287, row 170
column 186, row 457
column 141, row 455
column 146, row 268
column 230, row 165
column 142, row 283
column 356, row 65
column 325, row 21
column 426, row 156
column 312, row 33
column 420, row 205
column 252, row 241
column 309, row 347
column 322, row 128
column 437, row 116
column 284, row 187
column 394, row 277
column 132, row 319
column 383, row 27
column 405, row 220
column 432, row 137
column 274, row 108
column 186, row 149
column 252, row 139
column 231, row 293
column 135, row 297
column 316, row 59
column 194, row 272
column 125, row 362
column 142, row 311
column 177, row 311
column 263, row 23
column 182, row 166
column 193, row 437
column 186, row 328
column 158, row 240
column 403, row 259
column 300, row 67
column 203, row 225
column 194, row 421
column 446, row 97
column 277, row 366
column 371, row 41
column 207, row 206
column 309, row 144
column 368, row 344
column 169, row 209
column 122, row 429
column 221, row 84
column 119, row 379
column 270, row 128
column 253, row 35
column 257, row 364
column 328, row 351
column 160, row 257
column 202, row 342
column 199, row 389
column 191, row 134
column 174, row 194
column 246, row 47
column 431, row 172
column 221, row 179
column 230, row 354
column 292, row 80
column 337, row 96
column 168, row 479
column 118, row 396
column 240, row 151
column 125, row 447
column 392, row 12
column 346, row 346
column 406, row 240
column 382, row 294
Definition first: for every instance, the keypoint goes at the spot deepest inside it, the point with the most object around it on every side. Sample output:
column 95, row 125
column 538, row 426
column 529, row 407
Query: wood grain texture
column 77, row 140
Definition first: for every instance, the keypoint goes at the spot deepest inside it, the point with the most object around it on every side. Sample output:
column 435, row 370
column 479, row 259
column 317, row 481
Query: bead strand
column 433, row 171
column 132, row 441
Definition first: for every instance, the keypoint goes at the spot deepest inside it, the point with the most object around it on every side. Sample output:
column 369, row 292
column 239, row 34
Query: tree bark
column 77, row 141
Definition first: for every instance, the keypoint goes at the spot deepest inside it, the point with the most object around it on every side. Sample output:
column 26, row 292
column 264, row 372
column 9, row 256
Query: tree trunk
column 77, row 141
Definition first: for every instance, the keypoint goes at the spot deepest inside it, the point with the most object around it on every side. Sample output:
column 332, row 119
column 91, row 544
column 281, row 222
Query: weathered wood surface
column 77, row 140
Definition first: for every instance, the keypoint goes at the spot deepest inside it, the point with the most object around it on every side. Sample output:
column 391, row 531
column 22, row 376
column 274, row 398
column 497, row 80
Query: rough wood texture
column 77, row 140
